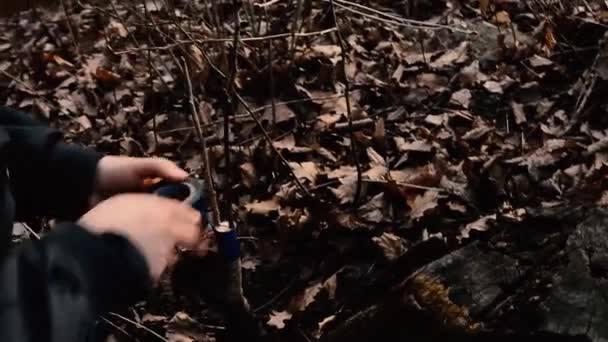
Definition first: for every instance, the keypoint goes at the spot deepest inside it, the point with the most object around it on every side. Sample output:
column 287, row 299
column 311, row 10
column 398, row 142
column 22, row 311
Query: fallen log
column 547, row 277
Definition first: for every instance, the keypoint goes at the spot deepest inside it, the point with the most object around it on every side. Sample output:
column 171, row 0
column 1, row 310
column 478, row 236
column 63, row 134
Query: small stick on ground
column 353, row 141
column 119, row 329
column 207, row 163
column 229, row 111
column 270, row 70
column 141, row 326
column 71, row 29
column 421, row 40
column 294, row 28
column 356, row 125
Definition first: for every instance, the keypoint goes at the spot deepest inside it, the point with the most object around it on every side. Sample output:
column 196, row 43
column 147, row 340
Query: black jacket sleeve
column 53, row 289
column 48, row 177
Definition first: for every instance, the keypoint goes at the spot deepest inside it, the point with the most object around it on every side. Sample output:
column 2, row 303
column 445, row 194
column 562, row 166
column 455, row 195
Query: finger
column 161, row 168
column 172, row 258
column 187, row 235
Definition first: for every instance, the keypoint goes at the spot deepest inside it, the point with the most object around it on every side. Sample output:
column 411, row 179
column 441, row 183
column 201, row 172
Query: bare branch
column 207, row 163
column 353, row 141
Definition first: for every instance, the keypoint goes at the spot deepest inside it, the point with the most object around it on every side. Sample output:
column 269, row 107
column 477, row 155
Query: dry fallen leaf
column 345, row 192
column 537, row 61
column 51, row 57
column 182, row 328
column 457, row 55
column 321, row 326
column 277, row 319
column 84, row 122
column 493, row 87
column 391, row 245
column 301, row 301
column 518, row 112
column 427, row 175
column 342, row 172
column 461, row 98
column 289, row 143
column 482, row 225
column 248, row 174
column 549, row 154
column 375, row 157
column 106, row 75
column 415, row 146
column 374, row 210
column 457, row 207
column 250, row 264
column 378, row 172
column 264, row 207
column 423, row 203
column 150, row 318
column 327, row 154
column 306, row 170
column 433, row 82
column 550, row 41
column 502, row 18
column 348, row 220
column 283, row 113
column 328, row 51
column 477, row 133
column 116, row 28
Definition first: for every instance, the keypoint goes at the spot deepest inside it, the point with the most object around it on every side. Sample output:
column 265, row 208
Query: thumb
column 161, row 168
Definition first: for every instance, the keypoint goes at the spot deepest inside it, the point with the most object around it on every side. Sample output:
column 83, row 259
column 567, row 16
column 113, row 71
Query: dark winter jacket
column 55, row 288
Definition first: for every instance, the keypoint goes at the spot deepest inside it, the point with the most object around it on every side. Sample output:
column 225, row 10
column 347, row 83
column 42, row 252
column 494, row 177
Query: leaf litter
column 454, row 131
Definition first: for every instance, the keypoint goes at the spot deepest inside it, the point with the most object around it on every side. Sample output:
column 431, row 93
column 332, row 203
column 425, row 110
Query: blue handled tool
column 192, row 192
column 239, row 314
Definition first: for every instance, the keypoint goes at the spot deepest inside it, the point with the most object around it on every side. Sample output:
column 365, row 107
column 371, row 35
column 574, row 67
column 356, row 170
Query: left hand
column 118, row 174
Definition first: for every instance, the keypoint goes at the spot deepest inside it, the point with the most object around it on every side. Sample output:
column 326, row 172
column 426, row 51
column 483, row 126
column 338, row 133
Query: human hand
column 155, row 225
column 118, row 174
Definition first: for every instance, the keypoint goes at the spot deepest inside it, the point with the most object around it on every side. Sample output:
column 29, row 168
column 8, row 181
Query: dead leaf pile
column 486, row 111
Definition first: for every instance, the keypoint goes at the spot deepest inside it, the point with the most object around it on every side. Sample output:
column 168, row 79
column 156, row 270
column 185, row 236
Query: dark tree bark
column 547, row 277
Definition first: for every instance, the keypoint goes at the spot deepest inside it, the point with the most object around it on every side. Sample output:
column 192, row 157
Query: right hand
column 155, row 225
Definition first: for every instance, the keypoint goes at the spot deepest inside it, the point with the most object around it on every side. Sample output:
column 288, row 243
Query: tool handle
column 192, row 193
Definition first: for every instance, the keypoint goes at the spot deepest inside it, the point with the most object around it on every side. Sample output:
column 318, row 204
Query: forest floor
column 401, row 126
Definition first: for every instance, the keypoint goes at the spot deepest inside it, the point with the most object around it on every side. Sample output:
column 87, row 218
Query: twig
column 271, row 71
column 269, row 140
column 261, row 127
column 267, row 4
column 421, row 39
column 216, row 15
column 583, row 97
column 405, row 185
column 136, row 42
column 396, row 20
column 276, row 297
column 71, row 29
column 229, row 111
column 150, row 79
column 354, row 125
column 29, row 89
column 353, row 141
column 223, row 40
column 119, row 329
column 256, row 110
column 203, row 145
column 36, row 94
column 294, row 29
column 139, row 325
column 31, row 231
